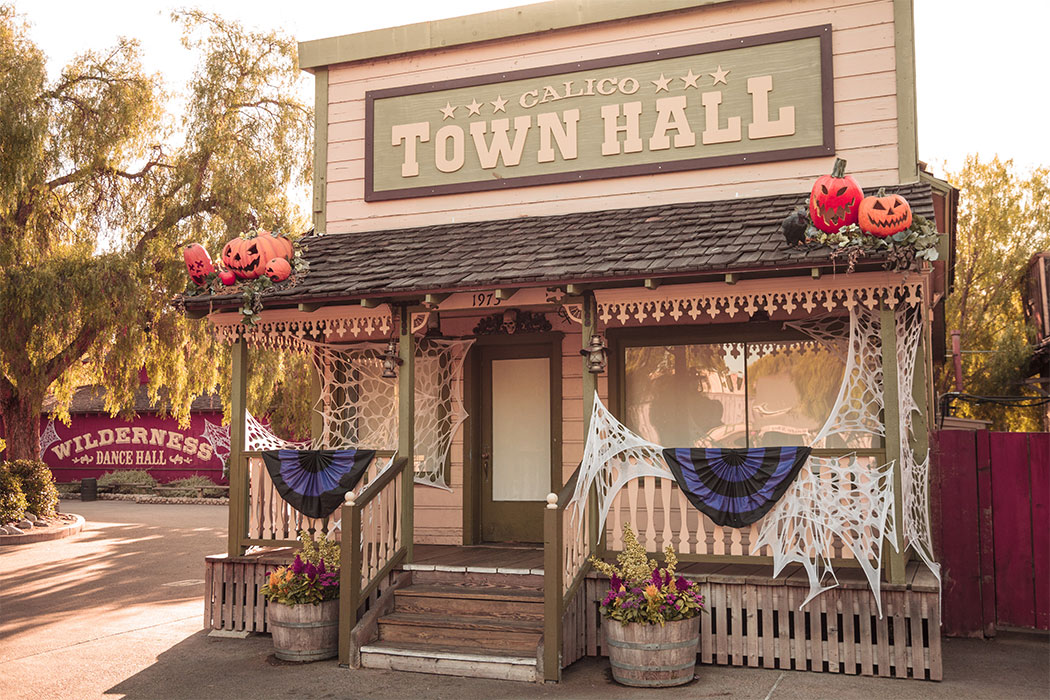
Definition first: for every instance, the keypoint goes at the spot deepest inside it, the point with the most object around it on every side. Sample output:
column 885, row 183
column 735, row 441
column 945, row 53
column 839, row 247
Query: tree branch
column 53, row 368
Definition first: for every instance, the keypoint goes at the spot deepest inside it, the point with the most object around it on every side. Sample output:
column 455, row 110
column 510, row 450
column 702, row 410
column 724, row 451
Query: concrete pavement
column 116, row 612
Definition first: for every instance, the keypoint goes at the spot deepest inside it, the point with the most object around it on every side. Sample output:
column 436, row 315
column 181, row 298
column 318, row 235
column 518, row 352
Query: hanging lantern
column 391, row 361
column 597, row 358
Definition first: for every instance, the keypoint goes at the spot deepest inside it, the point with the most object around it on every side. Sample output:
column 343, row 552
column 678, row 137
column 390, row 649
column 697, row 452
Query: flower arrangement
column 308, row 579
column 641, row 591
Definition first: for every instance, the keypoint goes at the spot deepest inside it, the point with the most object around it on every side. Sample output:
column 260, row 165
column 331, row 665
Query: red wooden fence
column 990, row 496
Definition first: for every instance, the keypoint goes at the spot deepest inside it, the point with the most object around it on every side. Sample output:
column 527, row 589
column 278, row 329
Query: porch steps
column 462, row 623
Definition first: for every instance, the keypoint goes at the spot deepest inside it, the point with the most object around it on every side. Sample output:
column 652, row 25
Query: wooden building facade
column 531, row 180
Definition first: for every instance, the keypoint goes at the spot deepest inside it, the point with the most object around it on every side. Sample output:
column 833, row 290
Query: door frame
column 552, row 341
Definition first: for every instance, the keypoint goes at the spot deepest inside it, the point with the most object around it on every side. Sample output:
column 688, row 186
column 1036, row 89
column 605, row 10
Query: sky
column 980, row 66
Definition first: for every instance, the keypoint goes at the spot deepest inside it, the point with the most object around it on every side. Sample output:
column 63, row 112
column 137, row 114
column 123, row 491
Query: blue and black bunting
column 314, row 482
column 735, row 487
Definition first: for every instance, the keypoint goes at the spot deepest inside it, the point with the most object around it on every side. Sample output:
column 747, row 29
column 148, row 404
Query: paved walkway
column 116, row 612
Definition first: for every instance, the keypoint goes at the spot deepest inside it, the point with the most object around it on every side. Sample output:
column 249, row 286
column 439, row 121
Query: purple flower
column 681, row 584
column 297, row 565
column 615, row 581
column 636, row 591
column 311, row 571
column 320, row 567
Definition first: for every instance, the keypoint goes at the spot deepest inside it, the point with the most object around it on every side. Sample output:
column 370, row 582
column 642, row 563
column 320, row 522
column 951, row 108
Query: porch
column 858, row 516
column 753, row 618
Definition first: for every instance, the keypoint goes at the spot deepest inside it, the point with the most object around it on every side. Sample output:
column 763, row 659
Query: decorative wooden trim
column 827, row 147
column 907, row 128
column 320, row 197
column 287, row 328
column 748, row 297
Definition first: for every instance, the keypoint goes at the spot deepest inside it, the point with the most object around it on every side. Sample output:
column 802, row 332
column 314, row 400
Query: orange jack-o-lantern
column 884, row 215
column 270, row 247
column 242, row 256
column 198, row 263
column 835, row 199
column 278, row 269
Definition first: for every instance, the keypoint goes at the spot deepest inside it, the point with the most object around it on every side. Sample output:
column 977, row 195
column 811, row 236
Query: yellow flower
column 652, row 592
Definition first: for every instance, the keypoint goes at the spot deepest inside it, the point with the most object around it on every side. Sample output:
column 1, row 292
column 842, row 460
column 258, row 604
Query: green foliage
column 194, row 482
column 38, row 485
column 101, row 186
column 311, row 579
column 641, row 591
column 1003, row 220
column 132, row 477
column 12, row 499
column 903, row 249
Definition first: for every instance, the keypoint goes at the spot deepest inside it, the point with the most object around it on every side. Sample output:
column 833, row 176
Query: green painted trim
column 590, row 386
column 552, row 598
column 238, row 509
column 485, row 26
column 895, row 560
column 320, row 205
column 406, row 427
column 907, row 131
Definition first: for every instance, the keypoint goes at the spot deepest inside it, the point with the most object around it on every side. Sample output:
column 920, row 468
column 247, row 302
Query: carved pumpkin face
column 198, row 263
column 884, row 215
column 242, row 256
column 278, row 269
column 835, row 199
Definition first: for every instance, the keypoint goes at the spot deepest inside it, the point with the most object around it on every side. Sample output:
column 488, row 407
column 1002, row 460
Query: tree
column 100, row 189
column 1003, row 221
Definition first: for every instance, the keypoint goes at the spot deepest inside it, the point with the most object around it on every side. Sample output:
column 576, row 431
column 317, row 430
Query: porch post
column 896, row 561
column 406, row 425
column 238, row 508
column 316, row 382
column 590, row 386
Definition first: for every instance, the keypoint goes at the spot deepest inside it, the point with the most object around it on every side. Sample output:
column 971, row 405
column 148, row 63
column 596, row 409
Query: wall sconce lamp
column 391, row 361
column 597, row 357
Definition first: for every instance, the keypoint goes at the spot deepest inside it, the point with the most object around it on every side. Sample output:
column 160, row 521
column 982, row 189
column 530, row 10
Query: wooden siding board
column 961, row 566
column 1039, row 461
column 985, row 542
column 863, row 56
column 1012, row 504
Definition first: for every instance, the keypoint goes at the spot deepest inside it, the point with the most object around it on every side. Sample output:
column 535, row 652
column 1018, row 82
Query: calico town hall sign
column 750, row 100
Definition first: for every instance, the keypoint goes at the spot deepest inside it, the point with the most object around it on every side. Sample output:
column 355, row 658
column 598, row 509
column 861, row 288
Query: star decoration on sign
column 499, row 104
column 661, row 84
column 473, row 108
column 719, row 75
column 448, row 111
column 689, row 79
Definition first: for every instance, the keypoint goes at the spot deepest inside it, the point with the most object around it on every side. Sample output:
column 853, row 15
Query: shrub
column 311, row 579
column 194, row 482
column 38, row 485
column 12, row 499
column 136, row 477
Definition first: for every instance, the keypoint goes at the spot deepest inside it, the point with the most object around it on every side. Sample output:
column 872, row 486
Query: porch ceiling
column 665, row 240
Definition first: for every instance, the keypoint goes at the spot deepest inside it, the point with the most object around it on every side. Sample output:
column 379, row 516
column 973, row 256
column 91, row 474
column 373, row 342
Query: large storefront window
column 750, row 394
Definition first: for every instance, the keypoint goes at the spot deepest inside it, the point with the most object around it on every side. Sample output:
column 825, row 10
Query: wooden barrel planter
column 646, row 656
column 304, row 632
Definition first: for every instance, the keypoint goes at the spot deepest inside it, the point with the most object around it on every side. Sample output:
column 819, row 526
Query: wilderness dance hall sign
column 738, row 101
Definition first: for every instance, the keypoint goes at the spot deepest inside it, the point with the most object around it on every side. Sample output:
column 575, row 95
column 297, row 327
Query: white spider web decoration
column 49, row 437
column 613, row 455
column 218, row 436
column 359, row 407
column 857, row 412
column 828, row 502
column 915, row 475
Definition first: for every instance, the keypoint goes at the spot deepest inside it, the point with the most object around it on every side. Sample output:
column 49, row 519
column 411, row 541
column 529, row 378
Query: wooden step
column 449, row 661
column 498, row 602
column 464, row 631
column 474, row 578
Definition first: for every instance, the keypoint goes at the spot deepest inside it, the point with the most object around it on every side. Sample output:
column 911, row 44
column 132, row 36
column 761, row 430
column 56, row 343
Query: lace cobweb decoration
column 49, row 437
column 915, row 474
column 358, row 406
column 612, row 456
column 218, row 436
column 831, row 501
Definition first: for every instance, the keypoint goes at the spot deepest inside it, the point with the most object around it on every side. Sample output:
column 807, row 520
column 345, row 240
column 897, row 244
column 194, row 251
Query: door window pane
column 521, row 429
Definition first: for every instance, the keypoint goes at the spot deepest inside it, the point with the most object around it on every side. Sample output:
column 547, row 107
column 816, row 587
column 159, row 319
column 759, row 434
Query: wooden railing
column 263, row 518
column 570, row 538
column 373, row 543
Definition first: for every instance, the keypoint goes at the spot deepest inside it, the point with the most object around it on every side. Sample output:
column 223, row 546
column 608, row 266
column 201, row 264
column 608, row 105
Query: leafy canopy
column 1003, row 220
column 102, row 184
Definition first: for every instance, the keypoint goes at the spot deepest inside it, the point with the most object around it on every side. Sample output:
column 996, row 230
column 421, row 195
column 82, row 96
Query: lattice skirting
column 755, row 621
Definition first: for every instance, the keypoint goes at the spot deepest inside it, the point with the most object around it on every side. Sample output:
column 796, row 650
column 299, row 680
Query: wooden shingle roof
column 668, row 240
